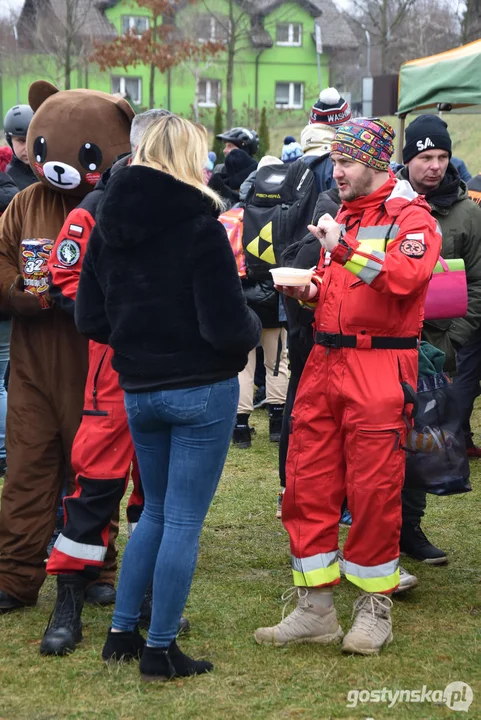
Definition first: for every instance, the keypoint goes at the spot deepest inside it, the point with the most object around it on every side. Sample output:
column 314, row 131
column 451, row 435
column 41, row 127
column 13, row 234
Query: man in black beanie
column 428, row 167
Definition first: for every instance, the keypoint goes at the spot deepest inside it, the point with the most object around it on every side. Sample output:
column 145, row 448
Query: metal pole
column 368, row 60
column 319, row 80
column 17, row 79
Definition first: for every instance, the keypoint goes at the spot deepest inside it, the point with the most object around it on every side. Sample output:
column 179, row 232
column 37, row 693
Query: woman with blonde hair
column 159, row 284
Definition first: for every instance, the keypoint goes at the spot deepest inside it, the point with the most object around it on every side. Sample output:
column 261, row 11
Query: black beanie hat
column 426, row 132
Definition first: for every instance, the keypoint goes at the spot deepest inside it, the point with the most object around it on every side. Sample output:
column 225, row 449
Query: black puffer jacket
column 8, row 190
column 237, row 167
column 159, row 283
column 21, row 173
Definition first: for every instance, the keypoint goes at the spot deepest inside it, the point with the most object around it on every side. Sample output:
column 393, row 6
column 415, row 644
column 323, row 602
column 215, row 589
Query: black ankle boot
column 276, row 413
column 146, row 614
column 155, row 665
column 167, row 663
column 123, row 646
column 241, row 436
column 64, row 629
column 185, row 666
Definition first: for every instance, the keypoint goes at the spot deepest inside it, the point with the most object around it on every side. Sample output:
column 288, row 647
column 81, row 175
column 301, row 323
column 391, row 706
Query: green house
column 271, row 44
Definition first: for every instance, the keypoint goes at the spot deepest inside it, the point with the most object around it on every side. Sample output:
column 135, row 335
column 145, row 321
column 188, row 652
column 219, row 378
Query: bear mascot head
column 75, row 135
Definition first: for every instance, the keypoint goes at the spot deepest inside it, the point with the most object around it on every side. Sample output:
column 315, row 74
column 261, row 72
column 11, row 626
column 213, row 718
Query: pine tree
column 264, row 141
column 218, row 145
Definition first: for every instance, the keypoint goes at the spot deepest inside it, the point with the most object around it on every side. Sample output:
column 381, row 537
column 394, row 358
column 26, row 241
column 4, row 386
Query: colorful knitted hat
column 330, row 109
column 366, row 140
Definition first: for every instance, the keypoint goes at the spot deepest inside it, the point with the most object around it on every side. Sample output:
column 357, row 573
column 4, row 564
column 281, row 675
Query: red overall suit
column 348, row 422
column 103, row 450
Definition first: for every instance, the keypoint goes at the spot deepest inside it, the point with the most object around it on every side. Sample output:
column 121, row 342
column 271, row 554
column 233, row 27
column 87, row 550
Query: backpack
column 278, row 209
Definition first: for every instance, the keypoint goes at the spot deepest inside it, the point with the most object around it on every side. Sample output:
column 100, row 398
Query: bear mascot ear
column 38, row 92
column 126, row 109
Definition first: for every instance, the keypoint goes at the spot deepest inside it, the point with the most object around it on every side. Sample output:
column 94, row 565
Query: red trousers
column 102, row 454
column 348, row 430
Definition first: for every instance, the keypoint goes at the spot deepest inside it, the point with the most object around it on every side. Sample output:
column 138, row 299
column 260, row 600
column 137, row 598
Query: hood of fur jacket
column 140, row 201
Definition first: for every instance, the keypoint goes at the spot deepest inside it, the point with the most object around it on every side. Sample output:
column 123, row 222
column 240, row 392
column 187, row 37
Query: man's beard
column 356, row 189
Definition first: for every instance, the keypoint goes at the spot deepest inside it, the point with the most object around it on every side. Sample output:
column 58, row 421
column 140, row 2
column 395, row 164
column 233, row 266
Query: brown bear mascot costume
column 73, row 137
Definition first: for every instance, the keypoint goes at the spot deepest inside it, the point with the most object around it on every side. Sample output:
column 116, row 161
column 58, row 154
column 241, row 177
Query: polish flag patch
column 75, row 230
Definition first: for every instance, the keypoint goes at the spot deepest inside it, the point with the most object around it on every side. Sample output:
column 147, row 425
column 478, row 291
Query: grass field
column 243, row 570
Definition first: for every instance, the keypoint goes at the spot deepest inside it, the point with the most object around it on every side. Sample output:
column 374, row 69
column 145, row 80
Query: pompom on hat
column 291, row 151
column 330, row 109
column 365, row 140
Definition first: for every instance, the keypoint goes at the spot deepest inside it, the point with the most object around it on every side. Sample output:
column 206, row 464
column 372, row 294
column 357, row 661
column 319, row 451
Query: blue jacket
column 322, row 170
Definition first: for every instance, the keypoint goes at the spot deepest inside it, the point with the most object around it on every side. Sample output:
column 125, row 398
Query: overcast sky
column 6, row 6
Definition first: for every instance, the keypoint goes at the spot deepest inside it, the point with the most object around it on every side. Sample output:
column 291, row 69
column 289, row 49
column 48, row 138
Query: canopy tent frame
column 448, row 81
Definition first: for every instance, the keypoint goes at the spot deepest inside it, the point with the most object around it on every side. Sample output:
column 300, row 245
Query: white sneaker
column 406, row 581
column 307, row 623
column 372, row 627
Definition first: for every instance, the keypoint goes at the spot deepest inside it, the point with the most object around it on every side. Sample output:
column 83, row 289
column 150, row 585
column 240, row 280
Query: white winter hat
column 316, row 139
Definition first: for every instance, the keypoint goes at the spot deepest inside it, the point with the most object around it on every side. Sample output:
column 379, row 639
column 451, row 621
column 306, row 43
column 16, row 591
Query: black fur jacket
column 159, row 284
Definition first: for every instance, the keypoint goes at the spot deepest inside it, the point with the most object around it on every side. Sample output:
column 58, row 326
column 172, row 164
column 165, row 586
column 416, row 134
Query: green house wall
column 276, row 64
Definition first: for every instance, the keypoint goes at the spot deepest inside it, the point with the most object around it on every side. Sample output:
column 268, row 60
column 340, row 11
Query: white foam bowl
column 294, row 277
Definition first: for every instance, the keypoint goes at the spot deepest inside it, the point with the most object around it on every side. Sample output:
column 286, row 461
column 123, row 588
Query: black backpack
column 278, row 209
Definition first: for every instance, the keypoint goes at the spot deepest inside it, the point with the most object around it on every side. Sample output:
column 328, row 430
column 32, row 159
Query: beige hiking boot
column 372, row 628
column 310, row 622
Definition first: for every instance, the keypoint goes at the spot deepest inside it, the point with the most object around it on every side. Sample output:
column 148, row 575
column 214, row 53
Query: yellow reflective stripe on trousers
column 315, row 570
column 377, row 578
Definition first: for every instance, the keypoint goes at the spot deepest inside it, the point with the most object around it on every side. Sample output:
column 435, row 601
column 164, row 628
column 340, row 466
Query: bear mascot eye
column 40, row 149
column 90, row 156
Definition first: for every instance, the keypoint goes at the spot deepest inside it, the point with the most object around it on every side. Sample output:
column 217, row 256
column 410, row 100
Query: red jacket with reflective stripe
column 67, row 257
column 376, row 279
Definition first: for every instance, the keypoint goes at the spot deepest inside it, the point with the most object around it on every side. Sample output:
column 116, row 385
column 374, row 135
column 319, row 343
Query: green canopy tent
column 448, row 81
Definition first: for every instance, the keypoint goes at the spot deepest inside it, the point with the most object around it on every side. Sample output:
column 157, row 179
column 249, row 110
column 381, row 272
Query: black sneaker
column 415, row 544
column 64, row 629
column 241, row 437
column 100, row 594
column 8, row 603
column 276, row 413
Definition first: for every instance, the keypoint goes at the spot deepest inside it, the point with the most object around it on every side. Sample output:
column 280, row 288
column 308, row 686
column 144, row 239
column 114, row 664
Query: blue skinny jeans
column 181, row 438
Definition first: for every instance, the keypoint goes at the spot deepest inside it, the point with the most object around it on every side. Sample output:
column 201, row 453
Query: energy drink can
column 35, row 255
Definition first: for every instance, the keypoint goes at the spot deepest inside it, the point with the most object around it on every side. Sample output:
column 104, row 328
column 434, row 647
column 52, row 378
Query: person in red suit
column 353, row 405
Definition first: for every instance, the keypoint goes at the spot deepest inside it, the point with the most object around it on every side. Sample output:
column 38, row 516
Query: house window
column 212, row 28
column 129, row 87
column 136, row 24
column 209, row 93
column 289, row 95
column 289, row 34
